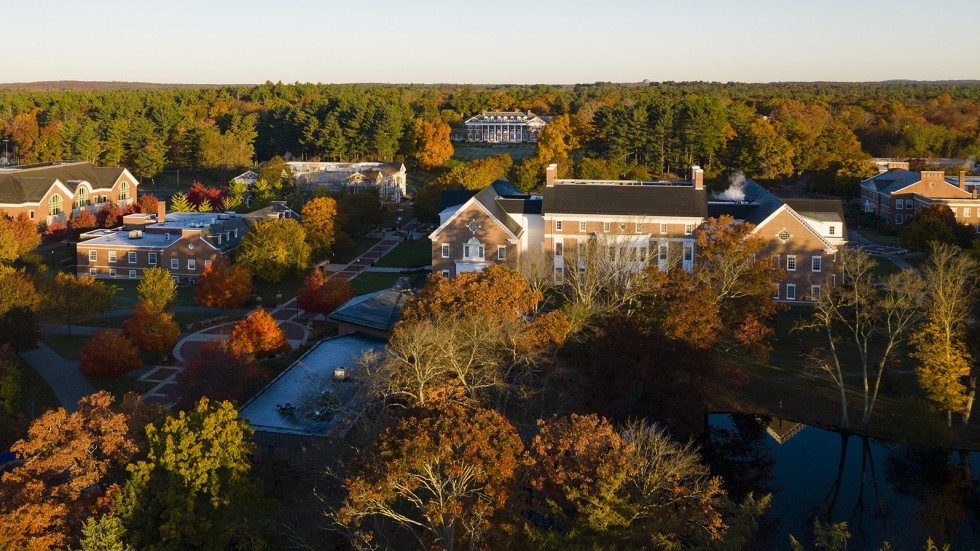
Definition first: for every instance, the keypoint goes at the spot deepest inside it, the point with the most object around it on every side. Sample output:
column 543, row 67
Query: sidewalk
column 62, row 375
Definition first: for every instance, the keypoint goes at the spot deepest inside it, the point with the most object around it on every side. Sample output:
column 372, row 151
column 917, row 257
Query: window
column 816, row 263
column 191, row 264
column 481, row 251
column 643, row 254
column 908, row 206
column 558, row 249
column 605, row 226
column 112, row 272
column 207, row 263
column 559, row 273
column 557, row 225
column 30, row 214
column 466, row 251
column 152, row 259
column 688, row 252
column 775, row 260
column 123, row 191
column 501, row 252
column 833, row 280
column 688, row 229
column 582, row 227
column 445, row 273
column 445, row 250
column 967, row 212
column 814, row 292
column 235, row 233
column 775, row 292
column 791, row 262
column 112, row 256
column 219, row 239
column 662, row 252
column 639, row 227
column 898, row 219
column 132, row 274
column 81, row 197
column 783, row 235
column 131, row 257
column 832, row 230
column 92, row 272
column 790, row 291
column 54, row 205
column 174, row 264
column 93, row 255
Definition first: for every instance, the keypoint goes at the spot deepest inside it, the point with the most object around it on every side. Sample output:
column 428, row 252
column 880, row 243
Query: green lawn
column 369, row 282
column 397, row 217
column 470, row 151
column 361, row 244
column 68, row 347
column 874, row 235
column 884, row 268
column 289, row 286
column 408, row 254
column 126, row 297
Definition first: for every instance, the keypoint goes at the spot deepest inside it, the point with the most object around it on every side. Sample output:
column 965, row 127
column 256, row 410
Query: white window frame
column 816, row 263
column 112, row 257
column 93, row 272
column 663, row 229
column 583, row 226
column 152, row 259
column 606, row 227
column 559, row 248
column 131, row 257
column 558, row 225
column 445, row 273
column 482, row 250
column 207, row 263
column 112, row 272
column 501, row 252
column 967, row 212
column 174, row 263
column 791, row 263
column 445, row 250
column 93, row 255
column 638, row 228
column 132, row 274
column 832, row 230
column 688, row 229
column 790, row 291
column 559, row 273
column 814, row 291
column 908, row 206
column 898, row 220
column 191, row 264
column 688, row 252
column 663, row 251
column 30, row 214
column 776, row 295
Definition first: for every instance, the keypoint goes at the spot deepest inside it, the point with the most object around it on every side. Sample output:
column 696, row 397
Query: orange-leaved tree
column 109, row 354
column 17, row 236
column 73, row 465
column 150, row 329
column 224, row 285
column 319, row 217
column 258, row 335
column 323, row 295
column 432, row 144
column 221, row 373
column 441, row 474
column 497, row 292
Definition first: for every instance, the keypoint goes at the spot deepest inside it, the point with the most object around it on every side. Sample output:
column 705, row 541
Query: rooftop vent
column 135, row 234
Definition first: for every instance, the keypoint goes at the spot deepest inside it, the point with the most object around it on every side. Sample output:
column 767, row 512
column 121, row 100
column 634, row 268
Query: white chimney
column 550, row 175
column 697, row 176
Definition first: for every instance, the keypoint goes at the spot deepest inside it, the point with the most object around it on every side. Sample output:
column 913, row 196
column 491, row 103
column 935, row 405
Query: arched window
column 123, row 191
column 81, row 197
column 54, row 205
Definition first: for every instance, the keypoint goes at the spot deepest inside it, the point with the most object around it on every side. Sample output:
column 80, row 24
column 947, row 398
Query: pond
column 884, row 491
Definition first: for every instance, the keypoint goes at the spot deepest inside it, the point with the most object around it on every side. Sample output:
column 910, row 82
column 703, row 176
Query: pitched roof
column 454, row 198
column 488, row 198
column 824, row 210
column 628, row 200
column 891, row 180
column 380, row 310
column 30, row 184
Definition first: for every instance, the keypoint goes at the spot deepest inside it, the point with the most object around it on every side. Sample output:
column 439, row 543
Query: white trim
column 471, row 200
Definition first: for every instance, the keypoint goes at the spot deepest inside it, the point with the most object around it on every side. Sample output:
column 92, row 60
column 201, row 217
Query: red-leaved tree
column 258, row 335
column 109, row 216
column 323, row 295
column 109, row 354
column 151, row 330
column 221, row 373
column 223, row 285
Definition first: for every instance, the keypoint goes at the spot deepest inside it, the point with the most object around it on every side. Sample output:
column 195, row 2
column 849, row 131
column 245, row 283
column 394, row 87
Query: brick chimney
column 550, row 175
column 697, row 176
column 162, row 212
column 963, row 180
column 898, row 164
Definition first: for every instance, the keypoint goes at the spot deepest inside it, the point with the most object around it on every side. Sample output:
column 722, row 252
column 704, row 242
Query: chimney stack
column 697, row 176
column 963, row 180
column 904, row 165
column 550, row 175
column 162, row 212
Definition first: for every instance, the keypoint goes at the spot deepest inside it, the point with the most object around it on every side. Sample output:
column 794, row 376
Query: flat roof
column 120, row 238
column 299, row 400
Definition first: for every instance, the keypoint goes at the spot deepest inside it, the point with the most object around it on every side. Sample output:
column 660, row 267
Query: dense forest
column 770, row 131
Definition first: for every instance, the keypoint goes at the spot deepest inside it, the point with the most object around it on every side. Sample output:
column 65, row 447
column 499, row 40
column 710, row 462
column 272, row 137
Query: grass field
column 68, row 347
column 369, row 282
column 872, row 234
column 289, row 286
column 470, row 151
column 126, row 297
column 361, row 244
column 408, row 254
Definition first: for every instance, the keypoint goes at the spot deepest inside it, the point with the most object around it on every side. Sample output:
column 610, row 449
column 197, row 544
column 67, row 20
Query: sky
column 504, row 41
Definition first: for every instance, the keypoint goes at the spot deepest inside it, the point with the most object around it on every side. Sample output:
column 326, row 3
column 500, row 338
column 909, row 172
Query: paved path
column 62, row 375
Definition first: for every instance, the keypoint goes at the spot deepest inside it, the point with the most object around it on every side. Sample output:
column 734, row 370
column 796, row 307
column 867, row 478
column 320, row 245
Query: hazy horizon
column 441, row 42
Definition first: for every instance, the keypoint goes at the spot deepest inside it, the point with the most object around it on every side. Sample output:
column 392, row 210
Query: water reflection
column 883, row 490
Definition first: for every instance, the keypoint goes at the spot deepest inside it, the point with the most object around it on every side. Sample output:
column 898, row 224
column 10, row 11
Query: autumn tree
column 193, row 488
column 109, row 215
column 322, row 295
column 432, row 144
column 940, row 343
column 220, row 372
column 223, row 285
column 319, row 216
column 74, row 299
column 20, row 302
column 272, row 248
column 555, row 145
column 83, row 222
column 258, row 335
column 180, row 203
column 17, row 236
column 151, row 330
column 73, row 466
column 498, row 291
column 443, row 475
column 157, row 288
column 206, row 199
column 278, row 174
column 148, row 203
column 478, row 173
column 109, row 354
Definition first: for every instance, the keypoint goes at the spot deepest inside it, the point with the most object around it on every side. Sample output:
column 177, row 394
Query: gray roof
column 488, row 198
column 454, row 198
column 308, row 388
column 757, row 205
column 520, row 205
column 380, row 310
column 824, row 210
column 278, row 209
column 30, row 184
column 891, row 180
column 628, row 200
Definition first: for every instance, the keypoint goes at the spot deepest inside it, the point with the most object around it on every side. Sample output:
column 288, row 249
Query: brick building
column 54, row 192
column 897, row 193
